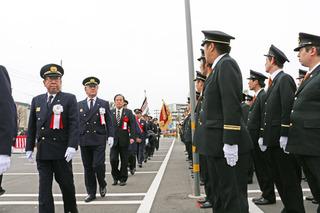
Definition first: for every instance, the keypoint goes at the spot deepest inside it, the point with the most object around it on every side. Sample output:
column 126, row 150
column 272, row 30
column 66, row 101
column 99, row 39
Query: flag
column 145, row 108
column 165, row 117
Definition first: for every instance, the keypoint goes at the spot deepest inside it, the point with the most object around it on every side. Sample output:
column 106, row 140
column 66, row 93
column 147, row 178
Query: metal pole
column 195, row 154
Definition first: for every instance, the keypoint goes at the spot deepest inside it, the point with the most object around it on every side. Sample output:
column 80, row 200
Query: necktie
column 49, row 100
column 269, row 82
column 118, row 117
column 91, row 103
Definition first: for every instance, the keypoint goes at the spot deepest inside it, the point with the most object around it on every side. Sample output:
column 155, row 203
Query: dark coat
column 223, row 119
column 122, row 135
column 52, row 143
column 304, row 132
column 278, row 105
column 255, row 116
column 92, row 132
column 8, row 113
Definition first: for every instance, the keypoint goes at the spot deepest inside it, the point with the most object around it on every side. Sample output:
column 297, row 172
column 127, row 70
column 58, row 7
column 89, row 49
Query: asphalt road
column 162, row 185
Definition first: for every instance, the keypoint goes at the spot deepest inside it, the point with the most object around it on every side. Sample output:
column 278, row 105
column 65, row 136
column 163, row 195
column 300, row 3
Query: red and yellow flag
column 165, row 117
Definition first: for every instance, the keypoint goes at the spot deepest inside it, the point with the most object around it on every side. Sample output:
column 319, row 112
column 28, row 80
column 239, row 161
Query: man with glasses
column 54, row 130
column 96, row 129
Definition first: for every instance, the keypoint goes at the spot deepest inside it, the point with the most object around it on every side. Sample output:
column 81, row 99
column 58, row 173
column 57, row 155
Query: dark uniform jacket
column 52, row 143
column 222, row 111
column 278, row 105
column 245, row 111
column 142, row 130
column 92, row 132
column 122, row 136
column 304, row 132
column 8, row 114
column 187, row 135
column 198, row 137
column 255, row 116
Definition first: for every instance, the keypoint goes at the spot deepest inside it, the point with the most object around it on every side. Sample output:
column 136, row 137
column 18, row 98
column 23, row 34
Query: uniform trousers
column 62, row 171
column 93, row 158
column 122, row 173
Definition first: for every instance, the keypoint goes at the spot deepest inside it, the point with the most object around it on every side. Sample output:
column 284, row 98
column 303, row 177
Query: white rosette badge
column 56, row 118
column 102, row 112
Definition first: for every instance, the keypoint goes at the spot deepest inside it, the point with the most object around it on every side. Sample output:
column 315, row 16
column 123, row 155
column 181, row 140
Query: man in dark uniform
column 142, row 126
column 199, row 140
column 255, row 119
column 304, row 132
column 124, row 127
column 187, row 135
column 300, row 78
column 96, row 129
column 8, row 122
column 278, row 103
column 54, row 129
column 228, row 141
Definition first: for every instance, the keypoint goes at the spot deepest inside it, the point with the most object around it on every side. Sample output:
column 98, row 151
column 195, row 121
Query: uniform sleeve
column 73, row 123
column 287, row 91
column 32, row 127
column 230, row 86
column 109, row 121
column 261, row 99
column 133, row 124
column 7, row 113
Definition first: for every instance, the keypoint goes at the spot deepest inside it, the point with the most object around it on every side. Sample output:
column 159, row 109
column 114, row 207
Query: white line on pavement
column 257, row 190
column 150, row 196
column 80, row 163
column 120, row 202
column 79, row 195
column 253, row 208
column 75, row 173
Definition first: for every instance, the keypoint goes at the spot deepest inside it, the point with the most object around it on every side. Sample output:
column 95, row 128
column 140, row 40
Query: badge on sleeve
column 38, row 109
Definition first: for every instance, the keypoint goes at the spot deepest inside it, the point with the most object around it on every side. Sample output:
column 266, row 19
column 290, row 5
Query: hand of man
column 231, row 154
column 283, row 143
column 110, row 142
column 4, row 163
column 29, row 155
column 70, row 153
column 263, row 148
column 131, row 141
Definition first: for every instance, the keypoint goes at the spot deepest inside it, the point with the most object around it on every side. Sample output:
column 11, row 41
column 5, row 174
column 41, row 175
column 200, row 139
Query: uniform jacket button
column 54, row 139
column 88, row 131
column 42, row 128
column 43, row 138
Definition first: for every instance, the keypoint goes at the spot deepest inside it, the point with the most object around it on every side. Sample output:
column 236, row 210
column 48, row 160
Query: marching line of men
column 276, row 131
column 58, row 124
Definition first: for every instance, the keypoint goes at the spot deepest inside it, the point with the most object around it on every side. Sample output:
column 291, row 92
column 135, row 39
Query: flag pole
column 195, row 154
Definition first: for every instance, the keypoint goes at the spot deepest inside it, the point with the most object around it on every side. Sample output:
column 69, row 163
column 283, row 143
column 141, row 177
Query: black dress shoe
column 89, row 198
column 264, row 201
column 256, row 199
column 140, row 165
column 115, row 182
column 103, row 191
column 202, row 200
column 206, row 205
column 314, row 201
column 132, row 171
column 2, row 191
column 310, row 198
column 122, row 183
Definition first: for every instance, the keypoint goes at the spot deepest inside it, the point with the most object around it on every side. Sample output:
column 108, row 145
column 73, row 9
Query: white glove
column 231, row 154
column 110, row 142
column 263, row 148
column 29, row 155
column 283, row 143
column 147, row 141
column 4, row 163
column 70, row 153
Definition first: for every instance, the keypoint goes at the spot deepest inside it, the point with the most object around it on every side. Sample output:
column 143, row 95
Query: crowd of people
column 274, row 132
column 58, row 125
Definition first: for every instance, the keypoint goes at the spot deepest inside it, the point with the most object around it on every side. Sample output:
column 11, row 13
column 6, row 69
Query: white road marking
column 79, row 195
column 150, row 196
column 253, row 208
column 75, row 173
column 257, row 190
column 119, row 202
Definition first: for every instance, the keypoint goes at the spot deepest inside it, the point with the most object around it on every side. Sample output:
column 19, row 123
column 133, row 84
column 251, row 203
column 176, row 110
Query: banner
column 165, row 117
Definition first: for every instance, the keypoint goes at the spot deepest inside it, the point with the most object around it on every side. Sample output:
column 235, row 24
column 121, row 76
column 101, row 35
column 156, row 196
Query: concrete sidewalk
column 176, row 185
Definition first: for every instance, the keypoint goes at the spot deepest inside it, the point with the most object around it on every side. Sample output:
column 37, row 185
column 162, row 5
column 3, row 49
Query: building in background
column 23, row 112
column 177, row 111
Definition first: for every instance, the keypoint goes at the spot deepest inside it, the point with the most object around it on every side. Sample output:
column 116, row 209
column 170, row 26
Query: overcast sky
column 140, row 45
